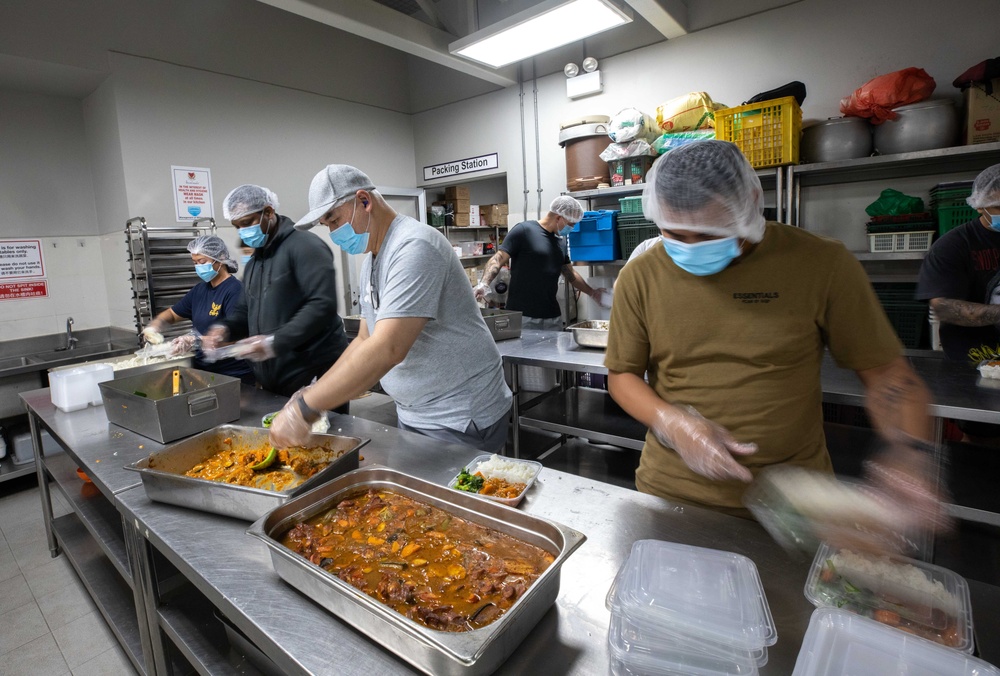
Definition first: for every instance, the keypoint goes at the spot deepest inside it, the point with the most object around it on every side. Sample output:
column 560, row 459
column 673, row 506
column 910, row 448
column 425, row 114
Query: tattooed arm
column 897, row 400
column 965, row 313
column 500, row 259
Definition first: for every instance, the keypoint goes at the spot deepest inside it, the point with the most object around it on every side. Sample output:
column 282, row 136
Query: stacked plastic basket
column 949, row 205
column 633, row 226
column 678, row 609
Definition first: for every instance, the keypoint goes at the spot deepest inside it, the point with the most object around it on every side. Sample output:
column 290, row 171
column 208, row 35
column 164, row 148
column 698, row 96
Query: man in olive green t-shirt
column 729, row 320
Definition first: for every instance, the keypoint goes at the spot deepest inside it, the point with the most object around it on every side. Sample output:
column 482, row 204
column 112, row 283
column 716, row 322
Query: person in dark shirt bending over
column 537, row 254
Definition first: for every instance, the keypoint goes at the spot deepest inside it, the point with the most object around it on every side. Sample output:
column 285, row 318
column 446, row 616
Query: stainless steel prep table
column 219, row 566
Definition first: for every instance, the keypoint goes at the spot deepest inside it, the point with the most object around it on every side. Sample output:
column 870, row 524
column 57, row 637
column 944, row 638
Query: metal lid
column 847, row 119
column 928, row 103
column 582, row 131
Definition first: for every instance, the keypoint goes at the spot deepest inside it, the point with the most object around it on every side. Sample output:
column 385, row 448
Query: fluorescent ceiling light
column 547, row 25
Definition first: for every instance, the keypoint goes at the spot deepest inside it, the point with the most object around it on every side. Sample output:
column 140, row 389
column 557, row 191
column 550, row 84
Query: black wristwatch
column 309, row 414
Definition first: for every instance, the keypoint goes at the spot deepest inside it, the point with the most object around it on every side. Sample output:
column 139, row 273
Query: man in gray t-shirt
column 423, row 336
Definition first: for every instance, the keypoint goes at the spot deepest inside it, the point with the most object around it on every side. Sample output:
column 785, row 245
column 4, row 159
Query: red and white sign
column 21, row 258
column 24, row 290
column 192, row 193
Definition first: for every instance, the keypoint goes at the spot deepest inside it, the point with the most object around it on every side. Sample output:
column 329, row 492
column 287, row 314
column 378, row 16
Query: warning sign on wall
column 192, row 193
column 21, row 258
column 24, row 290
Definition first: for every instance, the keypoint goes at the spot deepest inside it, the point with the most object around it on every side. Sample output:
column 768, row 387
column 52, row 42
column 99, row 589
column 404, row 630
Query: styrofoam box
column 22, row 452
column 77, row 388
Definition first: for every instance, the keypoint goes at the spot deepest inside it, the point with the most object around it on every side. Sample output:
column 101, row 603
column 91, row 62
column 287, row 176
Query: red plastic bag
column 876, row 98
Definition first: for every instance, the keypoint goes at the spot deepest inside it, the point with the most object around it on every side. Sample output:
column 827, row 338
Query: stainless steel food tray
column 146, row 404
column 503, row 324
column 592, row 333
column 164, row 480
column 180, row 361
column 437, row 652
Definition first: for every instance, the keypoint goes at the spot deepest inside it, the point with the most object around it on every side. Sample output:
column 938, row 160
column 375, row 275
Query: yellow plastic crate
column 767, row 132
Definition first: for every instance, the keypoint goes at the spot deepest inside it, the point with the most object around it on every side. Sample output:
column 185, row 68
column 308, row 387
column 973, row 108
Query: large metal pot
column 920, row 126
column 838, row 138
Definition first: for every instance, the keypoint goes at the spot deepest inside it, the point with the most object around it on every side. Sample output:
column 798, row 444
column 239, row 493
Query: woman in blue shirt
column 206, row 304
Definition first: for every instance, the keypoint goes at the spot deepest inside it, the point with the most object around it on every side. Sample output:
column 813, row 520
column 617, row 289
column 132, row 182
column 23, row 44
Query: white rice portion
column 902, row 580
column 987, row 370
column 511, row 471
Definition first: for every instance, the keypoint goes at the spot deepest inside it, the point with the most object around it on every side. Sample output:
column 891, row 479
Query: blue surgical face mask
column 348, row 240
column 703, row 258
column 206, row 271
column 253, row 236
column 246, row 259
column 994, row 220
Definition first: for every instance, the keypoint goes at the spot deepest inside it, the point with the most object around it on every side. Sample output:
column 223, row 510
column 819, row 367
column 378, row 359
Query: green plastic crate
column 950, row 218
column 631, row 205
column 632, row 236
column 909, row 318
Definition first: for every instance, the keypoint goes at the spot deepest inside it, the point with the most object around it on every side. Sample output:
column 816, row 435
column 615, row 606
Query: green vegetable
column 850, row 588
column 469, row 482
column 268, row 419
column 268, row 460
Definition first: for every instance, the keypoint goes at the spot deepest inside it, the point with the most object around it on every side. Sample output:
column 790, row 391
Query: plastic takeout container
column 513, row 502
column 840, row 643
column 77, row 388
column 711, row 595
column 927, row 600
column 639, row 652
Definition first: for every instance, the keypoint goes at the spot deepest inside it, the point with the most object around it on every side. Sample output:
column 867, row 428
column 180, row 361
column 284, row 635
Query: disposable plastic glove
column 152, row 333
column 290, row 428
column 480, row 291
column 212, row 341
column 902, row 476
column 182, row 344
column 603, row 297
column 705, row 447
column 256, row 348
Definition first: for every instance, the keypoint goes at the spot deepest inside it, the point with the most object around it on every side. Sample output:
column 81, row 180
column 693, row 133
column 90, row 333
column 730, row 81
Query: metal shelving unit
column 161, row 268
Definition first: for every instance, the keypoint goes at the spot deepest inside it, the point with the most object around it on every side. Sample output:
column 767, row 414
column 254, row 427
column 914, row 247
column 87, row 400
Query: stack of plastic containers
column 677, row 609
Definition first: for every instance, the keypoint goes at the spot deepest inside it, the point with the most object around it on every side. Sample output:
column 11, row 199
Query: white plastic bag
column 631, row 124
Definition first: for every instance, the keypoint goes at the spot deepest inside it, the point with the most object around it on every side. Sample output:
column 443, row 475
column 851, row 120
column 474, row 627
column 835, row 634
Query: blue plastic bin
column 595, row 237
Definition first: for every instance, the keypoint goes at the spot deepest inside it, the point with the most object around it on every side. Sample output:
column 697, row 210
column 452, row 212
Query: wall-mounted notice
column 20, row 258
column 23, row 290
column 192, row 193
column 469, row 165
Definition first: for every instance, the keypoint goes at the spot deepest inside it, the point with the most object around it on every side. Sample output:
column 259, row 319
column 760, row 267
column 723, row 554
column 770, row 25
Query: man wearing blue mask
column 959, row 276
column 729, row 320
column 958, row 273
column 536, row 251
column 286, row 322
column 423, row 335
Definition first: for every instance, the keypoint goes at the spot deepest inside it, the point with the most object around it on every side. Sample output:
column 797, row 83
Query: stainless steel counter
column 220, row 567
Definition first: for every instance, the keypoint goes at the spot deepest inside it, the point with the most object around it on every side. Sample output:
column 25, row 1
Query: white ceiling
column 387, row 53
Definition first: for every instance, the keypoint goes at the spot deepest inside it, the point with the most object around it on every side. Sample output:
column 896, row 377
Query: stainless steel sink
column 15, row 362
column 62, row 354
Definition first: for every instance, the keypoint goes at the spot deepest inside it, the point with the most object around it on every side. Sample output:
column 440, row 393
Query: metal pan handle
column 203, row 402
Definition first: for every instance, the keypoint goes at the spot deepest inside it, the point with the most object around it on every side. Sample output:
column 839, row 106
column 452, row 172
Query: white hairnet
column 707, row 187
column 568, row 208
column 213, row 247
column 986, row 189
column 247, row 199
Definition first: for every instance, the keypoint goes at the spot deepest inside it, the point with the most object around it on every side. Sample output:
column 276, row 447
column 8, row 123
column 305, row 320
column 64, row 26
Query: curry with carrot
column 437, row 569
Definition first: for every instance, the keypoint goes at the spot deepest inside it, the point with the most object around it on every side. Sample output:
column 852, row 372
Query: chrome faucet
column 70, row 340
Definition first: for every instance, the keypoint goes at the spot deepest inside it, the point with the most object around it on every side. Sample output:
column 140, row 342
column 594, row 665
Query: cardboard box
column 493, row 214
column 460, row 219
column 457, row 192
column 982, row 114
column 474, row 219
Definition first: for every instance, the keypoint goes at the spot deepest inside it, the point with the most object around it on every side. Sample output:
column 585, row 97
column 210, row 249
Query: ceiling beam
column 378, row 23
column 667, row 16
column 431, row 11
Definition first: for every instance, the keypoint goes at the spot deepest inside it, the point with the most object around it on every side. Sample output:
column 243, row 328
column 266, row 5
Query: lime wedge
column 268, row 460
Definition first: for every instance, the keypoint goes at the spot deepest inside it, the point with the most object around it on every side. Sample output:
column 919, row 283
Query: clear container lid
column 708, row 594
column 916, row 597
column 839, row 642
column 640, row 653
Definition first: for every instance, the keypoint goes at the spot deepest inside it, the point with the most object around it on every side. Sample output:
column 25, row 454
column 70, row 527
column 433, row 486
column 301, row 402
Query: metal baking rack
column 161, row 268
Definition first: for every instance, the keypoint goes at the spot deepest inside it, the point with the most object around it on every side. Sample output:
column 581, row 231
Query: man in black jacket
column 286, row 321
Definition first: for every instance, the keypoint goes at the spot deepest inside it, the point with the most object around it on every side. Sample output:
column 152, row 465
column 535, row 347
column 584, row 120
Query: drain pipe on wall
column 538, row 149
column 524, row 151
